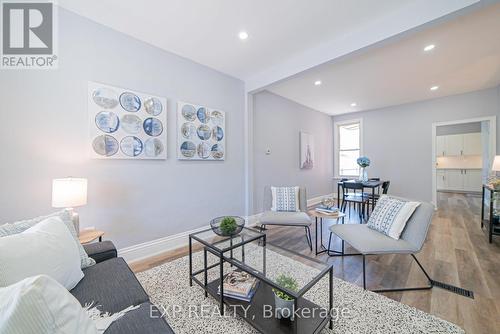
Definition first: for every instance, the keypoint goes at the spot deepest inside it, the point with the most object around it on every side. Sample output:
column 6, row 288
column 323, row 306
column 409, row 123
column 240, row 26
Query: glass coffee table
column 250, row 252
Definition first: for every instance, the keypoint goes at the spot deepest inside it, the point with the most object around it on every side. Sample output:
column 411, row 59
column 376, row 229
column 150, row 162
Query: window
column 347, row 147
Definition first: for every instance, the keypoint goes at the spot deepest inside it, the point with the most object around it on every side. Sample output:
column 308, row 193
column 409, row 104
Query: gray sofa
column 112, row 285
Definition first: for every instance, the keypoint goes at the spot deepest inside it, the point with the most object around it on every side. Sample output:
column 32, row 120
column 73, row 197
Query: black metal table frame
column 491, row 231
column 323, row 249
column 240, row 265
column 220, row 254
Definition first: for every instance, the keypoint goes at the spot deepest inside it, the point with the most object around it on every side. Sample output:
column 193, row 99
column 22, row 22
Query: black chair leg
column 429, row 286
column 364, row 272
column 308, row 237
column 329, row 242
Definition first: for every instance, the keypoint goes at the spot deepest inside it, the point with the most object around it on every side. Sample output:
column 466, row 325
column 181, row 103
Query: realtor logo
column 28, row 35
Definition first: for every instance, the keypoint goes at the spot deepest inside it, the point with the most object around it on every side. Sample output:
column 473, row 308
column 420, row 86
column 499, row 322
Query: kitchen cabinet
column 473, row 180
column 441, row 146
column 454, row 179
column 454, row 145
column 459, row 179
column 458, row 145
column 440, row 179
column 472, row 144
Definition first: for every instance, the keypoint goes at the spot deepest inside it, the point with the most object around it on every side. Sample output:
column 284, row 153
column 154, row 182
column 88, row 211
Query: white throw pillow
column 285, row 199
column 46, row 248
column 66, row 217
column 41, row 305
column 391, row 215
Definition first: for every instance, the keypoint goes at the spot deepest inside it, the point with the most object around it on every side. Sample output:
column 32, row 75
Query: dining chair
column 352, row 192
column 385, row 190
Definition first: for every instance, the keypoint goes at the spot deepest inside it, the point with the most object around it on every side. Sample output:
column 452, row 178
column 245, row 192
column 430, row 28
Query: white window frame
column 336, row 144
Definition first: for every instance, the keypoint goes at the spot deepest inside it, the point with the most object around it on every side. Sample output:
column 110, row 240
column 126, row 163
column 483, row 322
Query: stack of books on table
column 240, row 285
column 327, row 211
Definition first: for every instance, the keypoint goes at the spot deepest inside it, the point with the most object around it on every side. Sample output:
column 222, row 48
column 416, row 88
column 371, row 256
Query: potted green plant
column 283, row 302
column 228, row 225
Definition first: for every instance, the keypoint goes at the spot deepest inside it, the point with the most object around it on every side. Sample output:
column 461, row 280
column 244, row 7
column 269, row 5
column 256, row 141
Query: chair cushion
column 390, row 215
column 368, row 241
column 111, row 284
column 285, row 218
column 285, row 199
column 140, row 321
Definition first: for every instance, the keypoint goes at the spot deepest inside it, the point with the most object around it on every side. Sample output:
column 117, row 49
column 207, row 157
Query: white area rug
column 188, row 311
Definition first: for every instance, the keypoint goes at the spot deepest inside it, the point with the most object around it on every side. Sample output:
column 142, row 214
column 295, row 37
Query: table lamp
column 69, row 193
column 496, row 164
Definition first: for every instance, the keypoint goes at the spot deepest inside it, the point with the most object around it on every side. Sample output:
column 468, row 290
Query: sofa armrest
column 101, row 251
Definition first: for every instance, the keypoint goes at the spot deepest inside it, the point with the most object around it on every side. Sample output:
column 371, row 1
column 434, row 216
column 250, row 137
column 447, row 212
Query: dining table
column 370, row 184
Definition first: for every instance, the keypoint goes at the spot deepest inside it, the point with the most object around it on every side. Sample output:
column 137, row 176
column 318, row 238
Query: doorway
column 462, row 154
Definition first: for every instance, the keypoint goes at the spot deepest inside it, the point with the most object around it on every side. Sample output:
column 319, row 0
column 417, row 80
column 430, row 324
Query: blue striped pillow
column 285, row 199
column 390, row 215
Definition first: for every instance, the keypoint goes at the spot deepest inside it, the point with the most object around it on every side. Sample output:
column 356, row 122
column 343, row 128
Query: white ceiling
column 466, row 58
column 206, row 31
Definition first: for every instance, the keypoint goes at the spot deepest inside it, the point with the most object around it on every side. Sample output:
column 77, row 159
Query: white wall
column 398, row 139
column 277, row 123
column 44, row 136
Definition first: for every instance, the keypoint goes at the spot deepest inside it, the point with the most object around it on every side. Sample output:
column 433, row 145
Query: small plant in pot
column 284, row 303
column 227, row 225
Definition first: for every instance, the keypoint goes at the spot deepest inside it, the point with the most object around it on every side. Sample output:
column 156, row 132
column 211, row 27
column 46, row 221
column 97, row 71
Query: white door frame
column 493, row 144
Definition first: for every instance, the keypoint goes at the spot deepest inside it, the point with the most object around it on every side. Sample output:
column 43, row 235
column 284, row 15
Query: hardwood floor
column 456, row 252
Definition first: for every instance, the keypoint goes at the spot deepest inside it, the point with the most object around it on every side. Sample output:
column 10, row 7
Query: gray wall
column 398, row 139
column 277, row 123
column 44, row 136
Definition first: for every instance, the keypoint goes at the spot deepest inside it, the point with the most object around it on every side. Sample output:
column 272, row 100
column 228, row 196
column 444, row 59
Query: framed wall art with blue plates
column 126, row 124
column 201, row 132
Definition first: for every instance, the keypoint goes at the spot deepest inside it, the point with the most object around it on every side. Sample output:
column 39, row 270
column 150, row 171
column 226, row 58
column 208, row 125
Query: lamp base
column 75, row 218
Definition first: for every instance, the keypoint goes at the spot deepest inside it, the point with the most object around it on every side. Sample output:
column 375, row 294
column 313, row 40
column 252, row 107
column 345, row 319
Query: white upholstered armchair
column 283, row 218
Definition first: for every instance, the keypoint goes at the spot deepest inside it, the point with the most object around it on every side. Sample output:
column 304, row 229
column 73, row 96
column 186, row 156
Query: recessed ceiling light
column 429, row 47
column 243, row 35
column 317, row 83
column 434, row 87
column 354, row 104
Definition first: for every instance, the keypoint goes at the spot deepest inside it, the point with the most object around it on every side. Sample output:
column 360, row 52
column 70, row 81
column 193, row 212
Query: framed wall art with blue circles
column 126, row 124
column 201, row 132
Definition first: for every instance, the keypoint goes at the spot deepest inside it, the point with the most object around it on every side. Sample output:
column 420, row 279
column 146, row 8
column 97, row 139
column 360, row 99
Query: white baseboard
column 158, row 246
column 317, row 200
column 155, row 247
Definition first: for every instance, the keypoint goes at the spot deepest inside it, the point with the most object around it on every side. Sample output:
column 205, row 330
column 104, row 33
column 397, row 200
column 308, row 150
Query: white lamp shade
column 496, row 164
column 69, row 192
